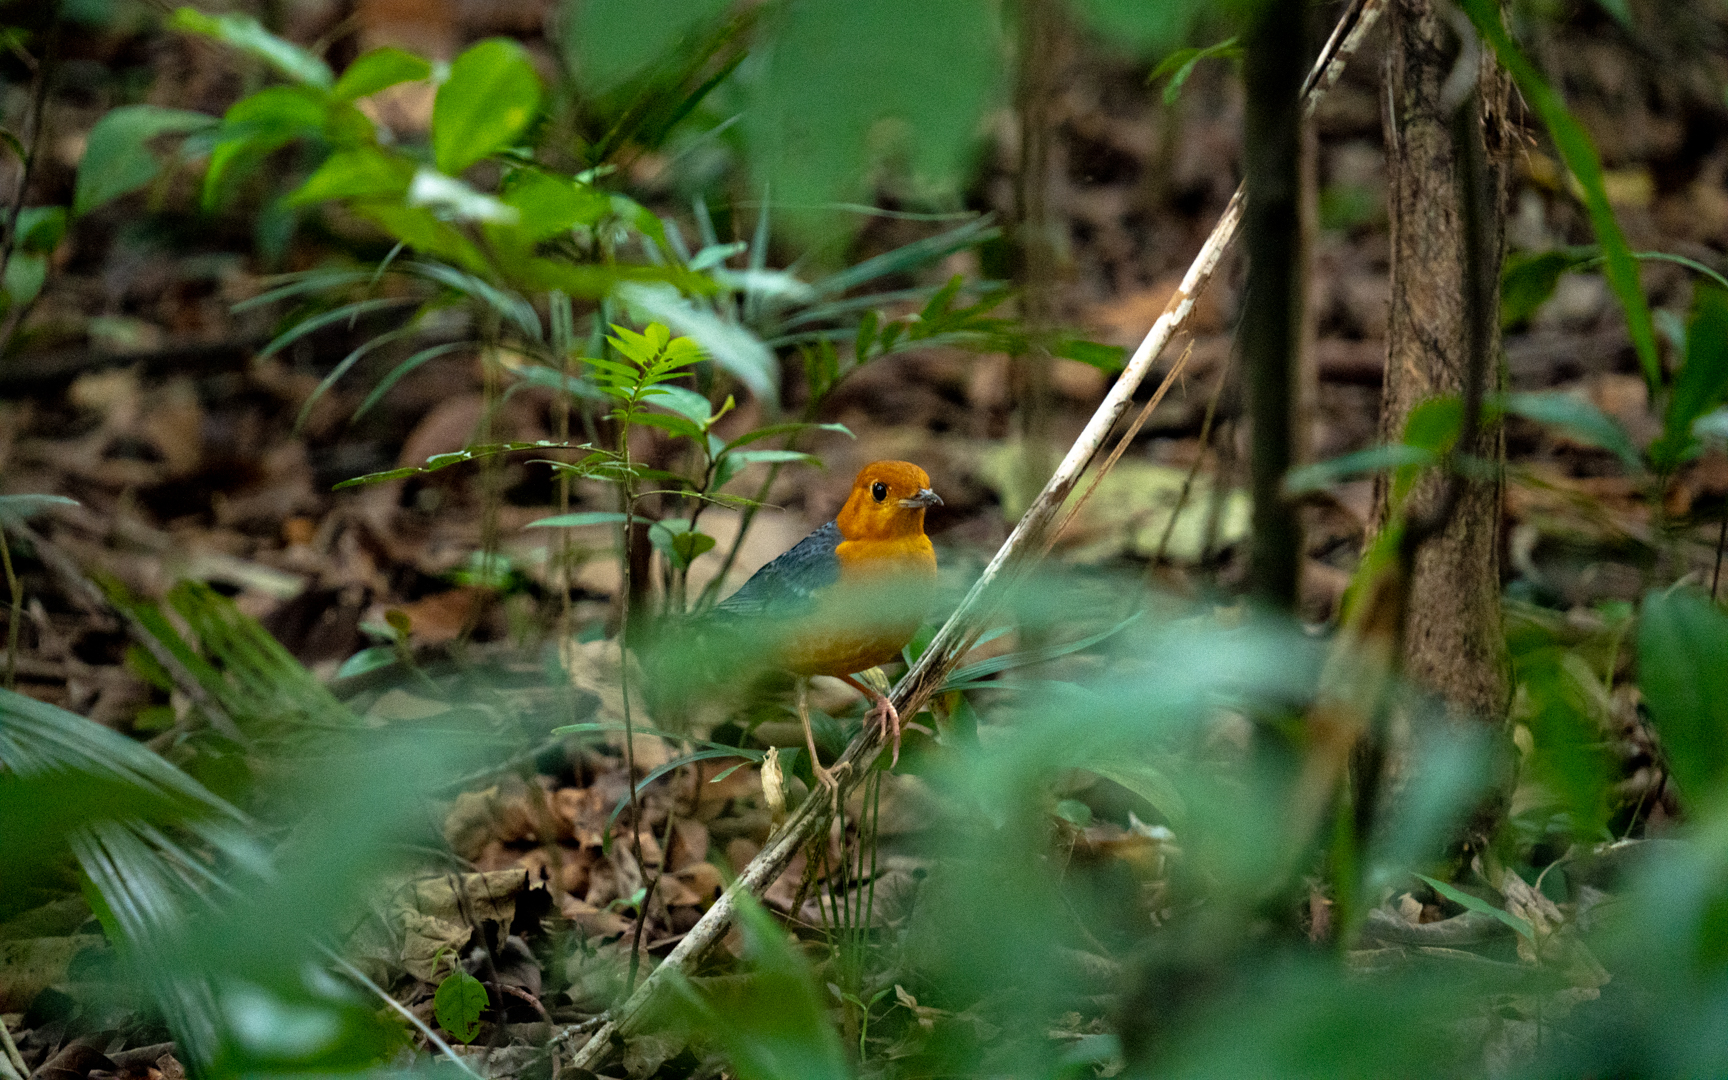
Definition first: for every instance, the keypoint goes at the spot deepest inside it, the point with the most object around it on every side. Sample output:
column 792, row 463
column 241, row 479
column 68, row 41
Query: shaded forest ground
column 134, row 387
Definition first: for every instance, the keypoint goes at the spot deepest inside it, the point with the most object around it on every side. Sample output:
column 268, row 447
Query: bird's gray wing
column 787, row 585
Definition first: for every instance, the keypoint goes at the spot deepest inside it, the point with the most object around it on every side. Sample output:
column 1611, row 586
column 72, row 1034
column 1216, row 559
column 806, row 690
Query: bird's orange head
column 887, row 502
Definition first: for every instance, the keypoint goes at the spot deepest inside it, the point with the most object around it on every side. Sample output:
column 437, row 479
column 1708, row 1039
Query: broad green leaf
column 485, row 105
column 247, row 34
column 908, row 91
column 1323, row 474
column 458, row 1003
column 421, row 230
column 1528, row 280
column 610, row 41
column 117, row 156
column 1434, row 423
column 1701, row 384
column 1106, row 358
column 1682, row 642
column 1140, row 28
column 40, row 228
column 25, row 276
column 362, row 173
column 1481, row 906
column 378, row 70
column 686, row 403
column 371, row 659
column 1564, row 706
column 674, row 539
column 261, row 123
column 1579, row 153
column 550, row 205
column 1579, row 419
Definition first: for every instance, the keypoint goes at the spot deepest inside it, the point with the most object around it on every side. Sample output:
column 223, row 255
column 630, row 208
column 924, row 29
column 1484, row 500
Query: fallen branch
column 1022, row 548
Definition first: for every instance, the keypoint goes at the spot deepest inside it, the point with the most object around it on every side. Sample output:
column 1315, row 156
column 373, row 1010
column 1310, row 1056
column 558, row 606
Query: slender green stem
column 648, row 893
column 17, row 611
column 1715, row 576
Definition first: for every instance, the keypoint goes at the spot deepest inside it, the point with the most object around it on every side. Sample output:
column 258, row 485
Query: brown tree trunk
column 1453, row 643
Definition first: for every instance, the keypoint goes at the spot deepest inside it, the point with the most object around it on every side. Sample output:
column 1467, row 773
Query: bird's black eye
column 879, row 490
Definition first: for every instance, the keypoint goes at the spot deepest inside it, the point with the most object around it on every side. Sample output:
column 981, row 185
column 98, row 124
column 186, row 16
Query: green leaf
column 453, row 200
column 1481, row 906
column 458, row 1003
column 421, row 230
column 25, row 276
column 117, row 157
column 1106, row 358
column 485, row 105
column 1682, row 640
column 1140, row 28
column 579, row 519
column 21, row 507
column 247, row 34
column 1701, row 384
column 455, row 457
column 40, row 228
column 772, row 430
column 550, row 205
column 686, row 403
column 732, row 347
column 612, row 41
column 378, row 70
column 675, row 539
column 1528, row 280
column 1712, row 425
column 362, row 173
column 1579, row 419
column 1323, row 474
column 1074, row 812
column 908, row 90
column 1180, row 64
column 371, row 659
column 1579, row 153
column 771, row 1023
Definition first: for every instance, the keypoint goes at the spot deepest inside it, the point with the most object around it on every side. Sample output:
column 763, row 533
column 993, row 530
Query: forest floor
column 135, row 389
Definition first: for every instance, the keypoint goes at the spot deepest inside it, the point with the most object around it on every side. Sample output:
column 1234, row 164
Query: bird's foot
column 885, row 716
column 828, row 780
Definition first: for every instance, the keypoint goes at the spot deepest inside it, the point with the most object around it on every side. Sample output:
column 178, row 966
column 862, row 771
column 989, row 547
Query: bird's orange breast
column 869, row 615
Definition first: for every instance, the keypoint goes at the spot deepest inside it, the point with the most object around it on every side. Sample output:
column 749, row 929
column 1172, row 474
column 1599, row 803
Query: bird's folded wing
column 788, row 585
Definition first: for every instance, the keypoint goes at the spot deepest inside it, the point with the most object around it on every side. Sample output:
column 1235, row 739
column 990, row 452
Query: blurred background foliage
column 1113, row 845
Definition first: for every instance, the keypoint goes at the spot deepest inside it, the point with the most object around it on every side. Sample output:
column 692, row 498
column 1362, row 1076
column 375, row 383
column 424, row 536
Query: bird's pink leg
column 882, row 714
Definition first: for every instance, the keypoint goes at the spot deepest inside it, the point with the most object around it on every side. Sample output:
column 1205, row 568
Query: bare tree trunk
column 1271, row 332
column 1453, row 644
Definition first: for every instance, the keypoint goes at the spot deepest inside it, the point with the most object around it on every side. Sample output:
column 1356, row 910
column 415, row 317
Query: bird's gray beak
column 925, row 497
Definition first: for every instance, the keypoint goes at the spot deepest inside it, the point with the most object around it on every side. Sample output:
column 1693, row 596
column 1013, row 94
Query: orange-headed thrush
column 849, row 596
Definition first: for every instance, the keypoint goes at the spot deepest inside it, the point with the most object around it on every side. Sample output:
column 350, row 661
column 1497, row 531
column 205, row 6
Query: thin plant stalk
column 16, row 613
column 1721, row 543
column 45, row 71
column 1194, row 469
